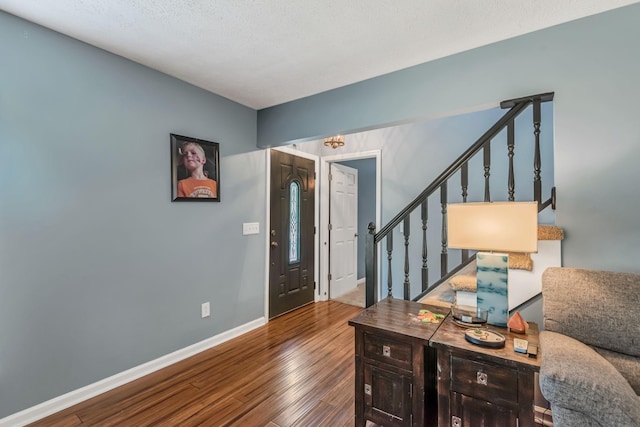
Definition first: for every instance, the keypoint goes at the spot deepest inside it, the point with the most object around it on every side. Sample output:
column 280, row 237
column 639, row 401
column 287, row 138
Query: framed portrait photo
column 195, row 169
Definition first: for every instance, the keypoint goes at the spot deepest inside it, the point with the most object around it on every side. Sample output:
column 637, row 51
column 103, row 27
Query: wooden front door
column 291, row 270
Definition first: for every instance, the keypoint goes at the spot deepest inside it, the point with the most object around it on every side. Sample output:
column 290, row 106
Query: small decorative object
column 195, row 169
column 520, row 345
column 484, row 338
column 466, row 315
column 517, row 324
column 334, row 141
column 427, row 316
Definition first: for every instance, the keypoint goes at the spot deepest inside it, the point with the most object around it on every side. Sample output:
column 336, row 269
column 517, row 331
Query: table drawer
column 484, row 381
column 396, row 353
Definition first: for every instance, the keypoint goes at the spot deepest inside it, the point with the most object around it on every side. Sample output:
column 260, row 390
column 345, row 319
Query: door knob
column 274, row 244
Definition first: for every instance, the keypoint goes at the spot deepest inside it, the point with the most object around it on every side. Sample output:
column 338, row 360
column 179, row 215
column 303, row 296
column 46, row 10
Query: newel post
column 371, row 275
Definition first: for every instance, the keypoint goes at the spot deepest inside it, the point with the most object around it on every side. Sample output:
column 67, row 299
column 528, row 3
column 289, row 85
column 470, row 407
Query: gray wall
column 99, row 270
column 366, row 204
column 592, row 66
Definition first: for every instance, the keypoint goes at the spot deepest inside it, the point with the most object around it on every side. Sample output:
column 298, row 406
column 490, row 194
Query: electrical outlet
column 205, row 310
column 250, row 228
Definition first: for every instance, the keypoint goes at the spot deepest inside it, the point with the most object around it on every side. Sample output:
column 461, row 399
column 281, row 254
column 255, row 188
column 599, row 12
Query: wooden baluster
column 389, row 257
column 487, row 168
column 407, row 232
column 510, row 147
column 537, row 183
column 425, row 265
column 444, row 269
column 464, row 181
column 371, row 267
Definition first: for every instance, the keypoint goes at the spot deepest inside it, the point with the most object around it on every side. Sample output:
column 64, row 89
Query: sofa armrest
column 576, row 377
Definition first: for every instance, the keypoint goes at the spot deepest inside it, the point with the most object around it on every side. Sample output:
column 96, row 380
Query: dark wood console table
column 410, row 373
column 395, row 367
column 479, row 386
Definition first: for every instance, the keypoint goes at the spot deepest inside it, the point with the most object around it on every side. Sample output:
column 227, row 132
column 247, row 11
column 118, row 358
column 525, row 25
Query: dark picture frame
column 194, row 164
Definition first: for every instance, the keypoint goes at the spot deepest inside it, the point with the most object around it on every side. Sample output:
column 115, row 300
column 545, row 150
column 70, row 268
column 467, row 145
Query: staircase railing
column 482, row 147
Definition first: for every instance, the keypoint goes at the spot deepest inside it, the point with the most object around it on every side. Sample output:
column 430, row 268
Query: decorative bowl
column 469, row 315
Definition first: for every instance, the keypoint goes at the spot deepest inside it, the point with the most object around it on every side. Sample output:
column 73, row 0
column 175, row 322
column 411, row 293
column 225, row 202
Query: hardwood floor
column 298, row 370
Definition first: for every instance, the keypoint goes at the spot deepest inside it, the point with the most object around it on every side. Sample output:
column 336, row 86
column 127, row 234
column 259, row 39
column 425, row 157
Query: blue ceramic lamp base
column 492, row 292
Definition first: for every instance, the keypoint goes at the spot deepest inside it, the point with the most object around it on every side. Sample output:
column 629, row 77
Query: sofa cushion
column 628, row 366
column 599, row 308
column 575, row 376
column 567, row 418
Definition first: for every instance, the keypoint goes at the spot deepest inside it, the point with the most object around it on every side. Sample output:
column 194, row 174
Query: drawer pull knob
column 481, row 377
column 456, row 421
column 386, row 351
column 367, row 389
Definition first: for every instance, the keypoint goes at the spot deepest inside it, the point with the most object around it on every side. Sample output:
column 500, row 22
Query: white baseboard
column 59, row 403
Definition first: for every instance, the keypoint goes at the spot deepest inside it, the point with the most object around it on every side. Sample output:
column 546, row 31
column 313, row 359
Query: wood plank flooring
column 297, row 370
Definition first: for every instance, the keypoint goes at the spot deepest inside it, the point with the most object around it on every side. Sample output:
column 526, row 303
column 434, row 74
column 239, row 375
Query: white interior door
column 343, row 216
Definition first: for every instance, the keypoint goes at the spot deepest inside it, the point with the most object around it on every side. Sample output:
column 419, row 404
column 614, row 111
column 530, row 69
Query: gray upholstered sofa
column 590, row 345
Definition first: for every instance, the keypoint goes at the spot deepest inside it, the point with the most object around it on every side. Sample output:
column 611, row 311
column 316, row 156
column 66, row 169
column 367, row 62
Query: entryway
column 291, row 233
column 280, row 287
column 350, row 201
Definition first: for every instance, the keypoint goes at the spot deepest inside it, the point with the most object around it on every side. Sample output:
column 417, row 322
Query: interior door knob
column 274, row 244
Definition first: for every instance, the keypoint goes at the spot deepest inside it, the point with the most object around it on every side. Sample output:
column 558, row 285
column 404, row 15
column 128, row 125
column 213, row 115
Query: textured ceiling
column 265, row 52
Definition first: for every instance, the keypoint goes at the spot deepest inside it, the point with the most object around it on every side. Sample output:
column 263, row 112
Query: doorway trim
column 323, row 181
column 267, row 226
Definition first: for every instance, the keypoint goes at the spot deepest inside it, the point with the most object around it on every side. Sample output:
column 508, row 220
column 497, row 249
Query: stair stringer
column 523, row 284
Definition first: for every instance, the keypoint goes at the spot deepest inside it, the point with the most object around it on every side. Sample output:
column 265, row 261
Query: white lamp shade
column 495, row 226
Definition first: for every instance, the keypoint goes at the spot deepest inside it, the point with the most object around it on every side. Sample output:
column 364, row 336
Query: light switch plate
column 250, row 228
column 205, row 310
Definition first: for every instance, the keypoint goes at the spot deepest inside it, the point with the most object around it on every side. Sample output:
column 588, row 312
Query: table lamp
column 493, row 226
